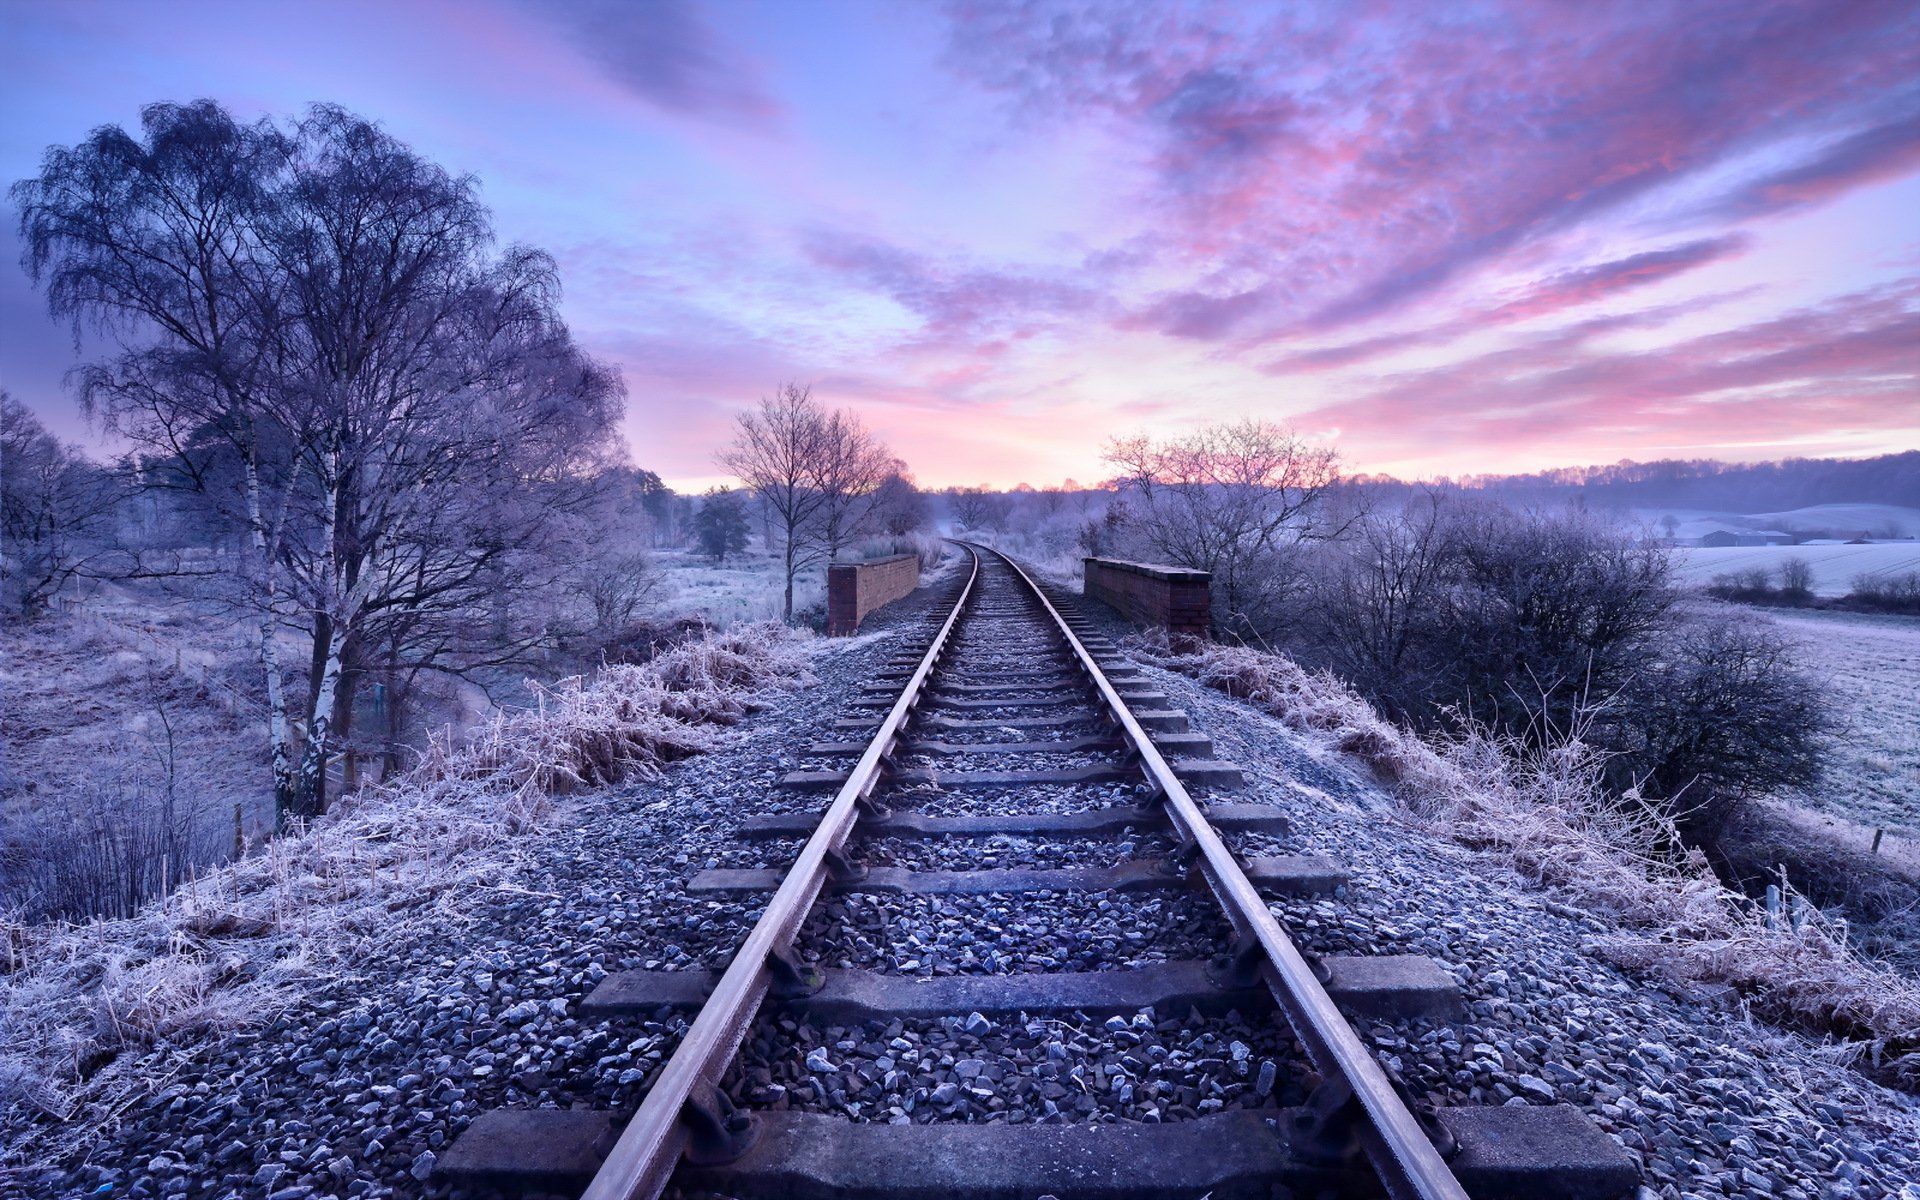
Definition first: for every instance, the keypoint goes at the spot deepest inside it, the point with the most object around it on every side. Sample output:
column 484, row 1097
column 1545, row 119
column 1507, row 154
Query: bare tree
column 776, row 452
column 56, row 512
column 1796, row 578
column 318, row 307
column 817, row 475
column 900, row 507
column 852, row 466
column 978, row 507
column 1226, row 499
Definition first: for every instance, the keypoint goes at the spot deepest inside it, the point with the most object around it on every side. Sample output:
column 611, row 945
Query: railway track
column 1216, row 1059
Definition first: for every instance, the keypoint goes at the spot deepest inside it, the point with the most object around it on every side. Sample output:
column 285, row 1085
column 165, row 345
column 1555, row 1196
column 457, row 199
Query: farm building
column 1751, row 537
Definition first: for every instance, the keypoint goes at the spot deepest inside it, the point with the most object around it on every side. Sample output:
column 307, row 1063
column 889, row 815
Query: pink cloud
column 1850, row 364
column 1359, row 160
column 1585, row 285
column 1882, row 152
column 1567, row 289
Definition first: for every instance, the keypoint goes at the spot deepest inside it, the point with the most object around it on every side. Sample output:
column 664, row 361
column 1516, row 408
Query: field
column 1872, row 663
column 746, row 587
column 133, row 747
column 1829, row 520
column 1834, row 567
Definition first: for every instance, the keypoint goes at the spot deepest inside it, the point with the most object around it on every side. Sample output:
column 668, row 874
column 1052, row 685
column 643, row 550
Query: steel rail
column 641, row 1162
column 1402, row 1154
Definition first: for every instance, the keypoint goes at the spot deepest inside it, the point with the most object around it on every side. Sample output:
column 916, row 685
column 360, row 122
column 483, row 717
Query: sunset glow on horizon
column 1446, row 239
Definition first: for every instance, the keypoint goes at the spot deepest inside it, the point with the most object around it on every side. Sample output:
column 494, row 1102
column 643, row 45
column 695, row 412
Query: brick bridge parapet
column 1172, row 598
column 856, row 589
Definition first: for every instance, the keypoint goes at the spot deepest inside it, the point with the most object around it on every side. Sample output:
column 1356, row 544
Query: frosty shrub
column 1546, row 812
column 229, row 948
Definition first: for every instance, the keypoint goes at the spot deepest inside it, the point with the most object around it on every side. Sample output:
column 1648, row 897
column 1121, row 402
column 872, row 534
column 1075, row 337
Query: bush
column 103, row 852
column 1460, row 605
column 1887, row 593
column 1721, row 714
column 1456, row 611
column 1546, row 812
column 1796, row 579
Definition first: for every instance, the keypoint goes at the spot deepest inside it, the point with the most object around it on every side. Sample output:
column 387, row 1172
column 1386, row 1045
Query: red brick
column 856, row 589
column 1171, row 598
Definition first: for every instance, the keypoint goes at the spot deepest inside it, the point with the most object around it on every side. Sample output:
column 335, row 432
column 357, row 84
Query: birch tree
column 322, row 306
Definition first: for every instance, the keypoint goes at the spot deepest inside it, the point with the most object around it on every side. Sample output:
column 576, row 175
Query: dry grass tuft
column 228, row 950
column 1546, row 815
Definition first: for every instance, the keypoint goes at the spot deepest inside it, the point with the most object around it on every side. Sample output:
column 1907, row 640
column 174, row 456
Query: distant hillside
column 1780, row 489
column 1842, row 521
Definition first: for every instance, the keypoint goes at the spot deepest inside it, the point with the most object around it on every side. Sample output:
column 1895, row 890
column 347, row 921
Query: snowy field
column 1872, row 663
column 1834, row 567
column 1877, row 520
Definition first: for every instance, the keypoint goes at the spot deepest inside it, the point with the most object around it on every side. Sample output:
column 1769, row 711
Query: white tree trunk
column 279, row 734
column 313, row 762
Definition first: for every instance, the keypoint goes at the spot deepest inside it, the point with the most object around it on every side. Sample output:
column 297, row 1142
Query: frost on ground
column 1872, row 665
column 1834, row 567
column 743, row 588
column 105, row 711
column 227, row 951
column 1545, row 816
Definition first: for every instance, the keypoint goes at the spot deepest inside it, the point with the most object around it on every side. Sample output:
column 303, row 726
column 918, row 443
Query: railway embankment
column 357, row 1077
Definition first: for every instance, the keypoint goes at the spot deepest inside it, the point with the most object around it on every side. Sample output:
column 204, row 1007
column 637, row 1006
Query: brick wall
column 856, row 589
column 1171, row 598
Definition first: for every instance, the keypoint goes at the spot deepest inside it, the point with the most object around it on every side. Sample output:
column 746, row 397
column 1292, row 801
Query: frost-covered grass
column 88, row 696
column 1048, row 554
column 134, row 744
column 1545, row 815
column 226, row 951
column 741, row 589
column 748, row 586
column 1872, row 665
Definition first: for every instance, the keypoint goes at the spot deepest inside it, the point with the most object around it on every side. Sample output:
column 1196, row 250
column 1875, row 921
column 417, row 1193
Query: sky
column 1446, row 239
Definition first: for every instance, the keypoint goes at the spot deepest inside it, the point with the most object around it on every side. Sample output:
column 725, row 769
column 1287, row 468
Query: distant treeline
column 1705, row 483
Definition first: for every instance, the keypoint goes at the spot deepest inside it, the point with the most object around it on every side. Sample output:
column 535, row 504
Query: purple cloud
column 1883, row 151
column 1362, row 160
column 1567, row 289
column 955, row 302
column 666, row 52
column 1847, row 364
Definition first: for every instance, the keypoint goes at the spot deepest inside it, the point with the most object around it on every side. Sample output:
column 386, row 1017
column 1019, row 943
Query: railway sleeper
column 1257, row 818
column 1154, row 720
column 1291, row 873
column 938, row 697
column 1203, row 771
column 1388, row 987
column 1190, row 745
column 1062, row 675
column 1517, row 1152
